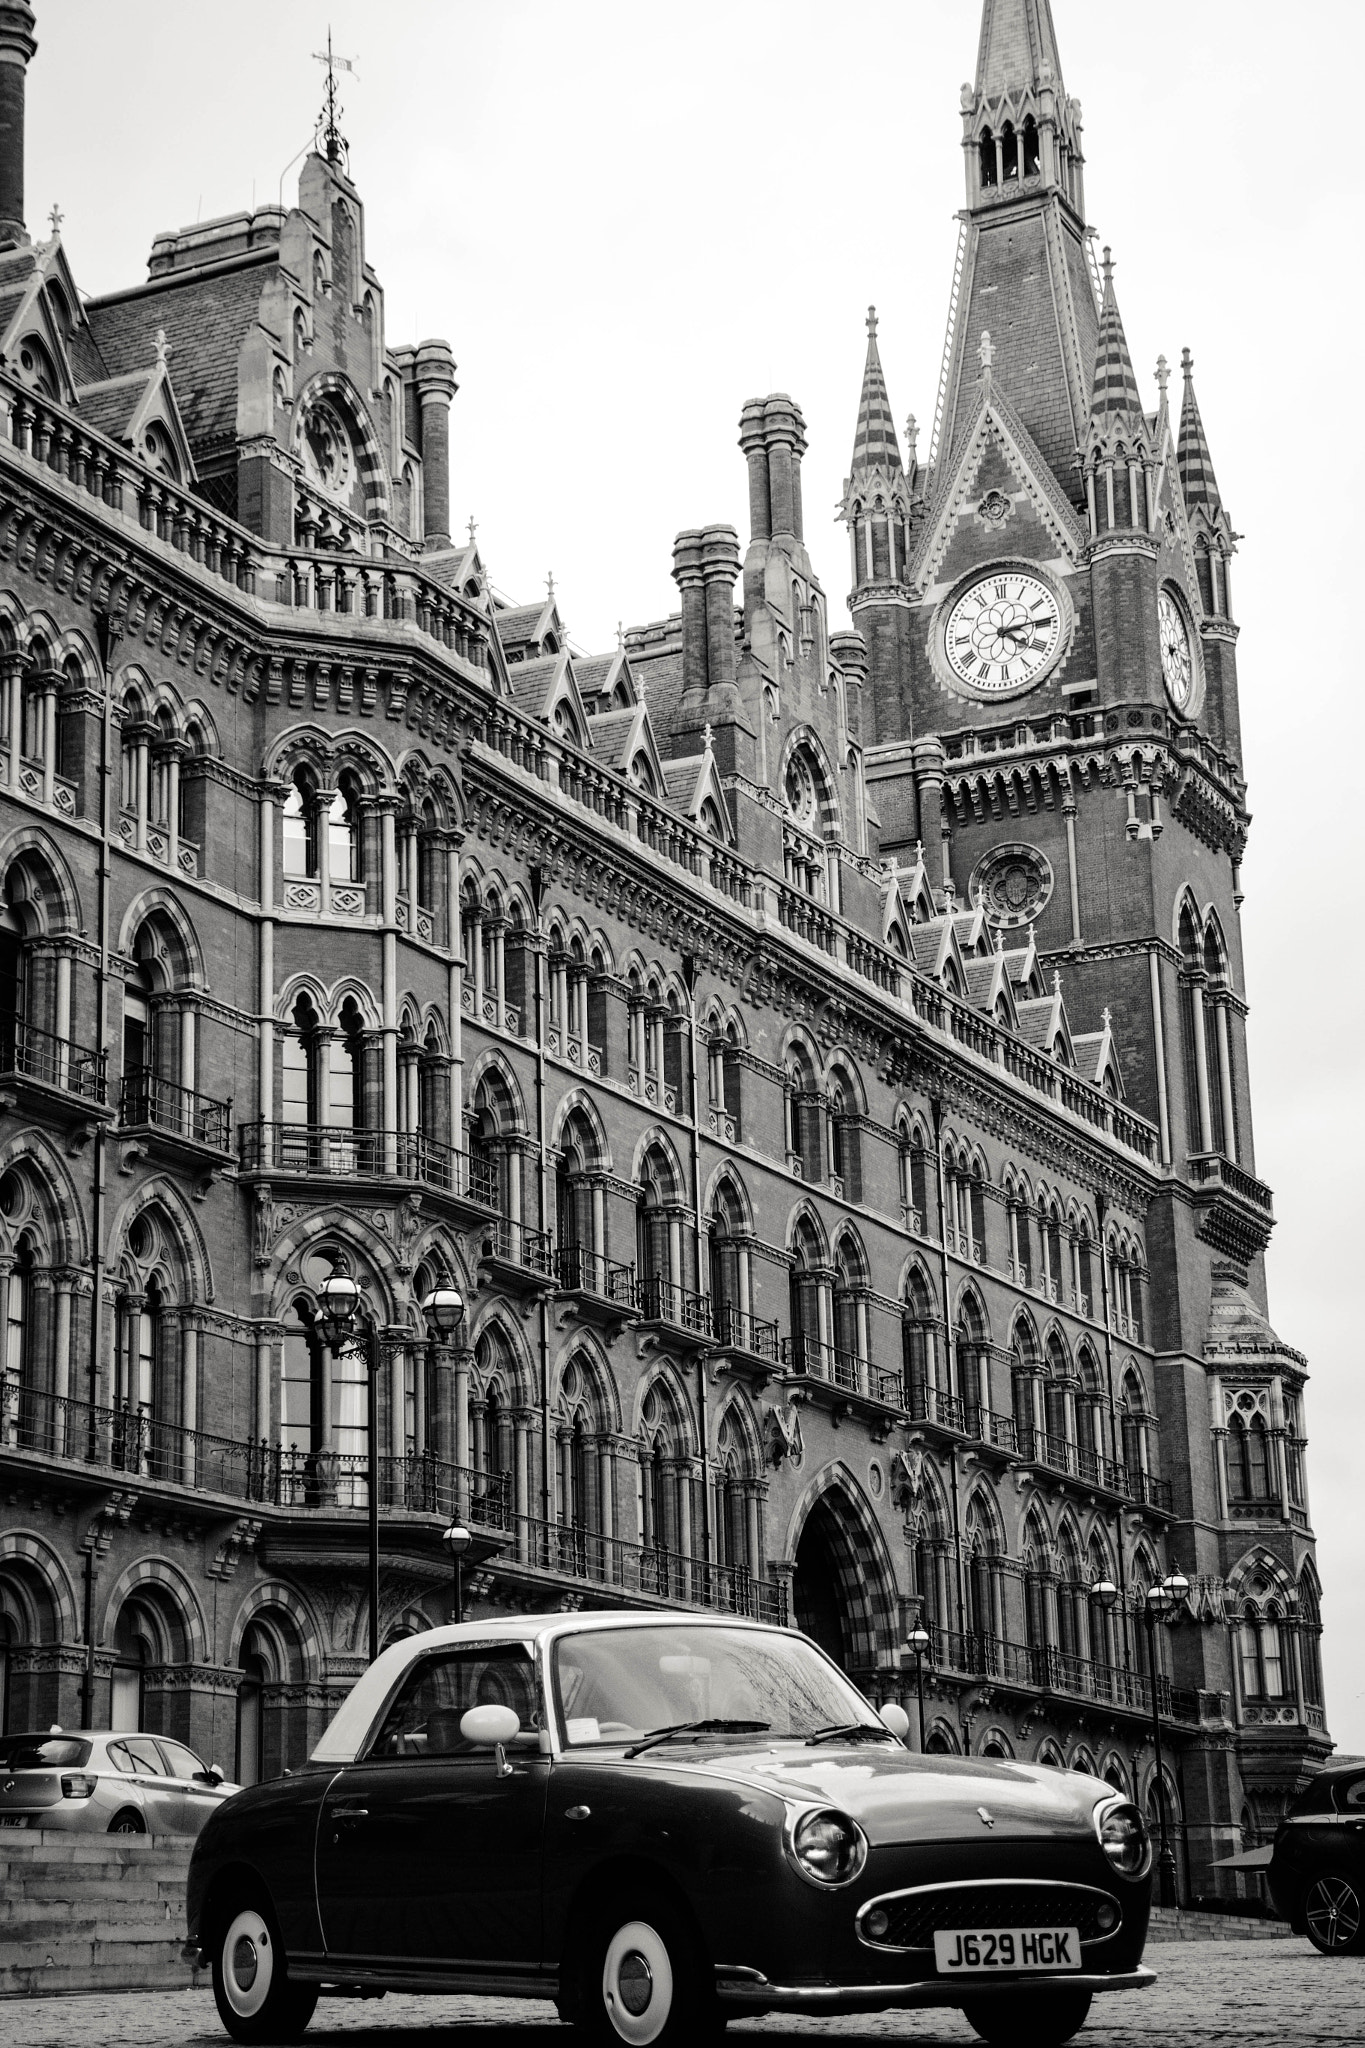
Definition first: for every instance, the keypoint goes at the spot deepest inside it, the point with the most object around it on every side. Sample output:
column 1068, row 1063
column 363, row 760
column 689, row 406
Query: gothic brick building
column 816, row 1057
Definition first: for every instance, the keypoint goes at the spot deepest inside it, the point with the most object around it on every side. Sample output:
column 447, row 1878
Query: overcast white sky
column 629, row 218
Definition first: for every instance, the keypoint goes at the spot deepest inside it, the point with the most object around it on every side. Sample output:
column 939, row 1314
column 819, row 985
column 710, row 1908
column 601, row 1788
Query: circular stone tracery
column 1014, row 883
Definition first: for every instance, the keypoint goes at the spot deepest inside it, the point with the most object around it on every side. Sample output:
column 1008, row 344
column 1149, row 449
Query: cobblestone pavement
column 1242, row 1993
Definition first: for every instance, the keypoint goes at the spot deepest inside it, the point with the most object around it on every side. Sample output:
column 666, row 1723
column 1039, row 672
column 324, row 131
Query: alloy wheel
column 1332, row 1910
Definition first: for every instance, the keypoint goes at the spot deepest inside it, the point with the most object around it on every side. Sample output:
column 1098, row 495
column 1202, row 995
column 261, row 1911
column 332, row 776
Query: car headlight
column 1125, row 1838
column 827, row 1847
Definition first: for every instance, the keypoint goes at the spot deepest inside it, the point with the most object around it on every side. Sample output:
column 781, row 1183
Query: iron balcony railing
column 146, row 1098
column 1035, row 1446
column 642, row 1568
column 516, row 1244
column 664, row 1301
column 328, row 1150
column 131, row 1439
column 843, row 1368
column 59, row 1062
column 979, row 1654
column 581, row 1271
column 738, row 1331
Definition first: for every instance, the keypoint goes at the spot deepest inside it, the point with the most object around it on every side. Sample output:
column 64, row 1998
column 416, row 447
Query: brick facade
column 691, row 1008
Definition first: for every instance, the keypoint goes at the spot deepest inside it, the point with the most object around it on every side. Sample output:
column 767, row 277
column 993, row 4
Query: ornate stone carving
column 1015, row 884
column 782, row 1434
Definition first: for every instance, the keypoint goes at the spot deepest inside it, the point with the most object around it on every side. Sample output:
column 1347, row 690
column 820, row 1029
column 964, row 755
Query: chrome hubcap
column 244, row 1963
column 1333, row 1912
column 635, row 1982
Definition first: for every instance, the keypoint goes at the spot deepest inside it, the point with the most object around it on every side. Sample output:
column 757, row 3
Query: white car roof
column 341, row 1739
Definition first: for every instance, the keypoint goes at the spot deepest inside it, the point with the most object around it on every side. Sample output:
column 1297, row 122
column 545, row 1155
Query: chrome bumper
column 740, row 1987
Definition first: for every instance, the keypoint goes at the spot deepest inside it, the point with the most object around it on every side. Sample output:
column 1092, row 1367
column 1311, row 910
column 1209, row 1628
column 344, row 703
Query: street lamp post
column 345, row 1319
column 919, row 1642
column 457, row 1540
column 1159, row 1604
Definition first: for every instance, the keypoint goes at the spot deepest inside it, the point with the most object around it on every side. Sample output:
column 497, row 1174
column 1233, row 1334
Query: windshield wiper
column 850, row 1731
column 698, row 1728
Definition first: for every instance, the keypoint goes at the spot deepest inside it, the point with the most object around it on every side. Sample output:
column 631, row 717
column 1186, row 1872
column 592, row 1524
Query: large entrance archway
column 844, row 1593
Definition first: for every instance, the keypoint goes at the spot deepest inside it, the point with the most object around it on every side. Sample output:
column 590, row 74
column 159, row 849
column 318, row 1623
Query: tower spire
column 1114, row 391
column 874, row 443
column 1192, row 450
column 1018, row 47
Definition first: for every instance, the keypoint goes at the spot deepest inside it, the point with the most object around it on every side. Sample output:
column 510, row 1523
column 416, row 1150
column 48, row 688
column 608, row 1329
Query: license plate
column 13, row 1820
column 957, row 1952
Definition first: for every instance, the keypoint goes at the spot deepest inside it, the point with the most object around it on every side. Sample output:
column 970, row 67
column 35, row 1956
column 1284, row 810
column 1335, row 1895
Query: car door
column 429, row 1857
column 195, row 1793
column 162, row 1803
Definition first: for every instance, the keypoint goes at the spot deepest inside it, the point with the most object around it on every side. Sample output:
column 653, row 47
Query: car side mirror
column 490, row 1728
column 215, row 1774
column 896, row 1719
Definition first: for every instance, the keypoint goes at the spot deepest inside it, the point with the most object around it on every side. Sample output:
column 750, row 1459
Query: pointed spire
column 1114, row 389
column 1192, row 449
column 874, row 444
column 1018, row 48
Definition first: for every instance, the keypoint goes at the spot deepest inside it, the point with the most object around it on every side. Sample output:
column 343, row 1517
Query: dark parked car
column 661, row 1822
column 117, row 1784
column 1317, row 1867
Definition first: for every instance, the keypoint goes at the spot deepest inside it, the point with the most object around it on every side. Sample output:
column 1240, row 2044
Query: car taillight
column 78, row 1785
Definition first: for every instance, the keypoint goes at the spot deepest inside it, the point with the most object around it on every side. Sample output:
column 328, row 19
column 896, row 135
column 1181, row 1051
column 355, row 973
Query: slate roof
column 519, row 626
column 1114, row 389
column 1017, row 38
column 205, row 316
column 1192, row 449
column 874, row 443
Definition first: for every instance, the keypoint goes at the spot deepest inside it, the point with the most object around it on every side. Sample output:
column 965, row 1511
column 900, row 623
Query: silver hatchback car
column 106, row 1783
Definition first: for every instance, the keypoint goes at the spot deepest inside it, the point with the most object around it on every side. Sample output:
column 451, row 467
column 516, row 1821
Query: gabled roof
column 28, row 277
column 541, row 687
column 457, row 568
column 690, row 781
column 1097, row 1058
column 992, row 419
column 522, row 628
column 1042, row 1023
column 125, row 407
column 1024, row 970
column 606, row 676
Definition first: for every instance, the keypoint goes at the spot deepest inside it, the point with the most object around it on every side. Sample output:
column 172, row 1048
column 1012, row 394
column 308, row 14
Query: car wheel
column 1334, row 1919
column 256, row 2001
column 643, row 1982
column 1041, row 2021
column 127, row 1823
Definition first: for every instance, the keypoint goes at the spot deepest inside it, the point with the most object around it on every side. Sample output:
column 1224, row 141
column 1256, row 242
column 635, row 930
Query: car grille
column 916, row 1917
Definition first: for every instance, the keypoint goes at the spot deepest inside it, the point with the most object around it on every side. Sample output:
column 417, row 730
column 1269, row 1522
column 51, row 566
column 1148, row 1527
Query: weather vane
column 334, row 142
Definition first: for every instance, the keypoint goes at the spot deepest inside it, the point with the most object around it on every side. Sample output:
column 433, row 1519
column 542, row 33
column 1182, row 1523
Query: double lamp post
column 1161, row 1602
column 346, row 1321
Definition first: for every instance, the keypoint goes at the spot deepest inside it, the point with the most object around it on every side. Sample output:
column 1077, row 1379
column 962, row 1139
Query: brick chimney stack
column 433, row 373
column 687, row 574
column 719, row 568
column 17, row 45
column 786, row 434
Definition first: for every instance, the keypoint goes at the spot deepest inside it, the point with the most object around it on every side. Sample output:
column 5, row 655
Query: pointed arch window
column 343, row 832
column 1029, row 143
column 300, row 826
column 986, row 147
column 18, row 1350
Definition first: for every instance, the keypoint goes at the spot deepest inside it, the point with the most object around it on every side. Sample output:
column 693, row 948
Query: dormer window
column 159, row 454
column 36, row 367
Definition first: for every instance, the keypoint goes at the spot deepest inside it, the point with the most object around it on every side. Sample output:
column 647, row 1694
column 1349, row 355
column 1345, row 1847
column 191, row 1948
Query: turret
column 1118, row 456
column 1215, row 541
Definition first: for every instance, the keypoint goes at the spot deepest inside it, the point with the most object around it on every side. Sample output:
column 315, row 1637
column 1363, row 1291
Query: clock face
column 1177, row 661
column 1003, row 631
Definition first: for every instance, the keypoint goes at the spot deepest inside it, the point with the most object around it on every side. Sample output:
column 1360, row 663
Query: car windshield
column 41, row 1752
column 617, row 1685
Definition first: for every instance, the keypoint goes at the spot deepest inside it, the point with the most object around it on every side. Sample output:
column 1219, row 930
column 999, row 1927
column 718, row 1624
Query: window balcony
column 148, row 1101
column 603, row 1289
column 49, row 1075
column 133, row 1441
column 518, row 1256
column 678, row 1311
column 638, row 1571
column 1046, row 1668
column 749, row 1334
column 341, row 1152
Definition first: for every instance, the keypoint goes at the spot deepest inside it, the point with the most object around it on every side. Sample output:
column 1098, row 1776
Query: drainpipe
column 936, row 1111
column 109, row 629
column 1113, row 1418
column 537, row 882
column 689, row 975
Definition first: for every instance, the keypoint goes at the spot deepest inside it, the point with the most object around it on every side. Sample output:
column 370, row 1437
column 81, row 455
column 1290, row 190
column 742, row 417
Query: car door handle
column 350, row 1813
column 578, row 1813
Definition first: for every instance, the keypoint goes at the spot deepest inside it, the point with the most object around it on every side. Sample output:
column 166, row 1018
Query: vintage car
column 106, row 1783
column 1317, row 1866
column 661, row 1822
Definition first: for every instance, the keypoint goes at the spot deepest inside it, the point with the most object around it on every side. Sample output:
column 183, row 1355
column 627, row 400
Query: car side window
column 180, row 1762
column 145, row 1755
column 1352, row 1796
column 424, row 1719
column 117, row 1753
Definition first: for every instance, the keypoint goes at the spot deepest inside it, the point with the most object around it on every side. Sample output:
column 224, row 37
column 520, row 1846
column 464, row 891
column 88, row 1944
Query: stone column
column 1201, row 1065
column 49, row 738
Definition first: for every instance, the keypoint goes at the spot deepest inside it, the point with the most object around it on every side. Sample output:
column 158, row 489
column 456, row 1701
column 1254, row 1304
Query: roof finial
column 985, row 352
column 1106, row 1017
column 56, row 216
column 912, row 440
column 473, row 529
column 872, row 323
column 1163, row 374
column 163, row 348
column 550, row 585
column 621, row 635
column 1056, row 981
column 334, row 143
column 706, row 739
column 1107, row 267
column 1187, row 365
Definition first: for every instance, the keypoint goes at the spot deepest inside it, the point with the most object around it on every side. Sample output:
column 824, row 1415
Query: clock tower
column 1052, row 717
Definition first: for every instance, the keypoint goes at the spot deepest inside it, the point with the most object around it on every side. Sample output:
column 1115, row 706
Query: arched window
column 302, row 1431
column 919, row 1334
column 1073, row 1627
column 1030, row 145
column 658, row 1239
column 1026, row 1372
column 254, row 1665
column 986, row 150
column 735, row 1510
column 1261, row 1647
column 809, row 1282
column 1035, row 1600
column 1310, row 1641
column 1249, row 1471
column 1134, row 1422
column 300, row 825
column 805, row 1109
column 850, row 1316
column 981, row 1588
column 18, row 1333
column 1009, row 151
column 343, row 831
column 845, row 1143
column 731, row 1273
column 134, row 1651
